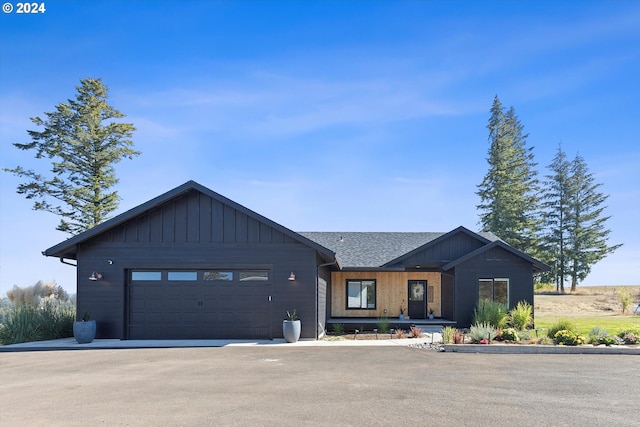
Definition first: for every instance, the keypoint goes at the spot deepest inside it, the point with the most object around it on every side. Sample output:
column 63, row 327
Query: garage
column 199, row 304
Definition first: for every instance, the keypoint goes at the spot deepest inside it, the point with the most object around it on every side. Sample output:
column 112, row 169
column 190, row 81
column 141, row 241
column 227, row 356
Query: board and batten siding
column 492, row 264
column 194, row 231
column 391, row 292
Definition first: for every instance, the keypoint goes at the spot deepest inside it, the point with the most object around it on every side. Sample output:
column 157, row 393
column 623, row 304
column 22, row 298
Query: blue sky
column 328, row 116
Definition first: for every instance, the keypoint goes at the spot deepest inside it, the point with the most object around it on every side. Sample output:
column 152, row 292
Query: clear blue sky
column 329, row 116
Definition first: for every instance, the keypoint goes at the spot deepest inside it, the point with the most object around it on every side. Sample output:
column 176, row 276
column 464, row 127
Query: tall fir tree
column 556, row 214
column 509, row 191
column 83, row 150
column 588, row 234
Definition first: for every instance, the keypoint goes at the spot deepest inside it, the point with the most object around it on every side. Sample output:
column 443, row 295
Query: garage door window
column 223, row 276
column 253, row 276
column 182, row 276
column 146, row 275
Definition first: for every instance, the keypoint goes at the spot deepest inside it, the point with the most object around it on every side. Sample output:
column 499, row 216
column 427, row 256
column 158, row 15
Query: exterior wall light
column 292, row 277
column 95, row 276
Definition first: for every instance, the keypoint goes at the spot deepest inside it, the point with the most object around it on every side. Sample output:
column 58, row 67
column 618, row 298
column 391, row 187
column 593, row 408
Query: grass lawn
column 584, row 323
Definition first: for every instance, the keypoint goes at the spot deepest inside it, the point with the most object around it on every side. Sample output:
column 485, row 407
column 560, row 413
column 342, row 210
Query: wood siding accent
column 391, row 292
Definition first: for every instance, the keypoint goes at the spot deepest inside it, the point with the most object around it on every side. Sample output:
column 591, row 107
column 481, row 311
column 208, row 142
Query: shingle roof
column 373, row 249
column 362, row 249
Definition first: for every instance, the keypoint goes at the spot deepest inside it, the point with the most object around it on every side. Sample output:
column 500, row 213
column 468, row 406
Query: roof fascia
column 537, row 265
column 68, row 246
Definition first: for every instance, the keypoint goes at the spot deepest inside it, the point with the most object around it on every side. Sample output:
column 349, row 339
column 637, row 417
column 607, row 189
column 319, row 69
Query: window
column 496, row 290
column 182, row 276
column 223, row 276
column 252, row 276
column 146, row 275
column 361, row 294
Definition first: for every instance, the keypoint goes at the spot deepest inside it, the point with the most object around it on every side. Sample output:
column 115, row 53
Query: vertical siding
column 497, row 263
column 391, row 292
column 196, row 231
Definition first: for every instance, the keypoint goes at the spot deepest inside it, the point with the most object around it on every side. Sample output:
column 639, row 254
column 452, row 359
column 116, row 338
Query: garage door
column 199, row 304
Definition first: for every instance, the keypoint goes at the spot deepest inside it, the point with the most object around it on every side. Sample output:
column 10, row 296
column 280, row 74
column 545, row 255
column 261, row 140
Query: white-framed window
column 361, row 294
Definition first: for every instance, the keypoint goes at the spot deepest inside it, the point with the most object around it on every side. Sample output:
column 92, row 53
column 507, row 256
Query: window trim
column 369, row 282
column 493, row 281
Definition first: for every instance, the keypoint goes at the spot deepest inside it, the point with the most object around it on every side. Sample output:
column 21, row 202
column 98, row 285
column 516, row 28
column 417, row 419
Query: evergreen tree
column 588, row 234
column 508, row 192
column 556, row 216
column 83, row 149
column 574, row 235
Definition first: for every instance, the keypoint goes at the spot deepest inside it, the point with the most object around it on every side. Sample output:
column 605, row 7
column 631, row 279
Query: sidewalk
column 111, row 344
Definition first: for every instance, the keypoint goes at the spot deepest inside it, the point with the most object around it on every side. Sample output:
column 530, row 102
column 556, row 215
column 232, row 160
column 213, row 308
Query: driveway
column 309, row 386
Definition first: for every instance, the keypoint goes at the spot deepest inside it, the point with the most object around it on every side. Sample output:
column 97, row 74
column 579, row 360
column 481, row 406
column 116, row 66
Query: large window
column 496, row 290
column 361, row 294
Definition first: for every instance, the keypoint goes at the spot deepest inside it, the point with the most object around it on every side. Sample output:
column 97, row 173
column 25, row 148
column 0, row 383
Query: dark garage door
column 199, row 304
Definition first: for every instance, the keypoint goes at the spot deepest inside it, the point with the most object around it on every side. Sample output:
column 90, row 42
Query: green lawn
column 584, row 324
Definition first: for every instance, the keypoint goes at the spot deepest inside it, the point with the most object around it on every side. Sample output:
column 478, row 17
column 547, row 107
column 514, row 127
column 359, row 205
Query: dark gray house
column 193, row 264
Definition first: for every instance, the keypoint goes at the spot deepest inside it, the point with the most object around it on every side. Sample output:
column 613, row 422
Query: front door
column 417, row 299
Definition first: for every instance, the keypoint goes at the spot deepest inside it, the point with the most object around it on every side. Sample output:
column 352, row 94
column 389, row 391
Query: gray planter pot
column 84, row 332
column 291, row 330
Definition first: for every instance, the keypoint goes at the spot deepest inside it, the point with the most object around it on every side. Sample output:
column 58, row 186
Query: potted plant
column 431, row 314
column 85, row 331
column 291, row 327
column 401, row 313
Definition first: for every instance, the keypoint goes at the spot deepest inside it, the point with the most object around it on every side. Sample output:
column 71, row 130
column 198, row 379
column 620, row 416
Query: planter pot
column 84, row 332
column 402, row 317
column 431, row 317
column 291, row 330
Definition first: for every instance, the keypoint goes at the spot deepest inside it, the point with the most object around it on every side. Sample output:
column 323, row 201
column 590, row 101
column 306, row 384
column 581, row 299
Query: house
column 192, row 264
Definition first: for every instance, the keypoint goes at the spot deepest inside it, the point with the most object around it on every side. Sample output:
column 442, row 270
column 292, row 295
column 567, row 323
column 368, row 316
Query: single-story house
column 192, row 264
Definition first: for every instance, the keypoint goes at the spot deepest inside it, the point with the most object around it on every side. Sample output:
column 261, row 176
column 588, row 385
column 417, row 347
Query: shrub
column 383, row 325
column 561, row 325
column 28, row 323
column 337, row 328
column 493, row 313
column 630, row 335
column 458, row 337
column 416, row 332
column 509, row 334
column 544, row 341
column 565, row 337
column 447, row 334
column 400, row 333
column 481, row 331
column 521, row 315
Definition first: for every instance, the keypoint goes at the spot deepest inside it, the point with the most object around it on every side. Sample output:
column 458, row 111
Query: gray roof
column 369, row 249
column 374, row 249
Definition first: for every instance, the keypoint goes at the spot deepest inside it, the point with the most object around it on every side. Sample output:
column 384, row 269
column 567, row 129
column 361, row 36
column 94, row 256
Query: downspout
column 335, row 261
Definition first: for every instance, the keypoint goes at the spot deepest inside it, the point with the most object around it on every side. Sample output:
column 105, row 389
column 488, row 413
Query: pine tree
column 508, row 192
column 588, row 234
column 556, row 214
column 83, row 149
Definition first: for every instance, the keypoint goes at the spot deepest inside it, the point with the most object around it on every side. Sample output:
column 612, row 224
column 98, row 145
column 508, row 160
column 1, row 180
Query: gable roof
column 537, row 265
column 483, row 238
column 68, row 248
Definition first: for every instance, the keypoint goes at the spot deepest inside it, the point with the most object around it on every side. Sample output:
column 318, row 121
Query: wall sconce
column 95, row 276
column 292, row 277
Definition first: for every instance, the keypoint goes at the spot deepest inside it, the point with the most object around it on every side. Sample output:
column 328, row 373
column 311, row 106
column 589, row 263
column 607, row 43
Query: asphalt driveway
column 338, row 386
